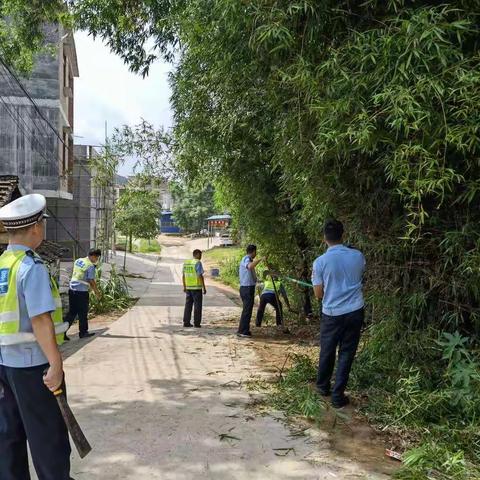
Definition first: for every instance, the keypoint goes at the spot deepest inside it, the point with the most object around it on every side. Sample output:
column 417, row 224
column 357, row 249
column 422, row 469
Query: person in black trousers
column 83, row 279
column 271, row 295
column 31, row 365
column 248, row 280
column 337, row 281
column 194, row 288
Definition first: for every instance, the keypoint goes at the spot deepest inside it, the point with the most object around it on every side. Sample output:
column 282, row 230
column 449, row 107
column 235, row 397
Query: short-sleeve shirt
column 247, row 276
column 81, row 287
column 34, row 298
column 340, row 270
column 199, row 268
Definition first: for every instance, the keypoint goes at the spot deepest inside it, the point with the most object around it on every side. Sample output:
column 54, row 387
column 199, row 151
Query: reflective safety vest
column 192, row 280
column 10, row 333
column 80, row 268
column 268, row 286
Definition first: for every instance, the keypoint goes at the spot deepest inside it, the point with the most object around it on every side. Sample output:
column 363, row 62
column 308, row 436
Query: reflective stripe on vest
column 10, row 262
column 268, row 285
column 28, row 337
column 57, row 315
column 80, row 268
column 192, row 280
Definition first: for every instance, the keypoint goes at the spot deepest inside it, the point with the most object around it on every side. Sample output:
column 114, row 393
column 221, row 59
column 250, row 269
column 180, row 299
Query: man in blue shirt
column 248, row 280
column 337, row 281
column 83, row 278
column 31, row 366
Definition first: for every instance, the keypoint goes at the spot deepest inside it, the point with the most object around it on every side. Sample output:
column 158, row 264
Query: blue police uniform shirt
column 81, row 287
column 247, row 277
column 340, row 270
column 199, row 268
column 34, row 298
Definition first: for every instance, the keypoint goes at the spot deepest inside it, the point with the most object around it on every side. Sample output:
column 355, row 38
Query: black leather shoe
column 188, row 326
column 86, row 335
column 197, row 326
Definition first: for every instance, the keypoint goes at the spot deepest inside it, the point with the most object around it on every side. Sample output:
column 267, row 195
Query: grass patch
column 140, row 245
column 222, row 254
column 115, row 294
column 430, row 396
column 227, row 260
column 293, row 393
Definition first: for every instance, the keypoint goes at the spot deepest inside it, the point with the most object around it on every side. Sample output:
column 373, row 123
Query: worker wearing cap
column 31, row 366
column 83, row 278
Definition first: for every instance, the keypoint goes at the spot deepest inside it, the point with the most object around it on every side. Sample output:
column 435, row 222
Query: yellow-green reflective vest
column 10, row 262
column 80, row 268
column 268, row 285
column 192, row 280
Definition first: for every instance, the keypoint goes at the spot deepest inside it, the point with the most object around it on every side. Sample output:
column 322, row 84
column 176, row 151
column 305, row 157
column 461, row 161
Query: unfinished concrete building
column 36, row 131
column 93, row 203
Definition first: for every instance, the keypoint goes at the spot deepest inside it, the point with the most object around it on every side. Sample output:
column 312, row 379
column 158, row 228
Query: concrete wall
column 23, row 151
column 28, row 146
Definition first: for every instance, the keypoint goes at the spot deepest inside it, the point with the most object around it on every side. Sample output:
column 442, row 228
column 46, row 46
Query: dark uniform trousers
column 269, row 298
column 29, row 411
column 342, row 331
column 194, row 298
column 247, row 294
column 78, row 305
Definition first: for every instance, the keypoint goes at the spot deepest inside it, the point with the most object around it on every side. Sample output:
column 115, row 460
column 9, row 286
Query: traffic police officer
column 83, row 278
column 31, row 366
column 194, row 287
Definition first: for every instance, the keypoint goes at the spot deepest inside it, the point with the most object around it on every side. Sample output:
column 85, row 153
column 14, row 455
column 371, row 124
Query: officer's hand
column 53, row 378
column 204, row 291
column 184, row 290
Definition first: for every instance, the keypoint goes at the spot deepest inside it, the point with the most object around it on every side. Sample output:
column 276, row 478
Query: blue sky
column 107, row 91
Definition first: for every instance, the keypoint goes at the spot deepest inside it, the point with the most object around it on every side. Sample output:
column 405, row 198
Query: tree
column 137, row 213
column 192, row 206
column 23, row 28
column 149, row 146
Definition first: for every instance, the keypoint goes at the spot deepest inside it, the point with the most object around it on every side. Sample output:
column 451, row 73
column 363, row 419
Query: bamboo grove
column 367, row 111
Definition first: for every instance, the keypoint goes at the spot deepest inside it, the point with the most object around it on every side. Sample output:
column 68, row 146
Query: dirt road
column 161, row 402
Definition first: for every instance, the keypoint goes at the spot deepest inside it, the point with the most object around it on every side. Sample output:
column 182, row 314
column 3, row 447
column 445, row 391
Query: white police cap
column 23, row 211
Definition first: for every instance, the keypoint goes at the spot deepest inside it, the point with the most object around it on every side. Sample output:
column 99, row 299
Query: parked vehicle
column 226, row 240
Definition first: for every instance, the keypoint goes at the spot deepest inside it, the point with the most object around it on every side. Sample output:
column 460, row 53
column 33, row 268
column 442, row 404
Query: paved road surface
column 157, row 400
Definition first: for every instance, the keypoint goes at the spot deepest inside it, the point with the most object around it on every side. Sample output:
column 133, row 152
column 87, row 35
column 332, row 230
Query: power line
column 42, row 128
column 27, row 94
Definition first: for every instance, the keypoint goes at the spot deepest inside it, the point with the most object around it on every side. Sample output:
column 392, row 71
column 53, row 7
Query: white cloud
column 107, row 91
